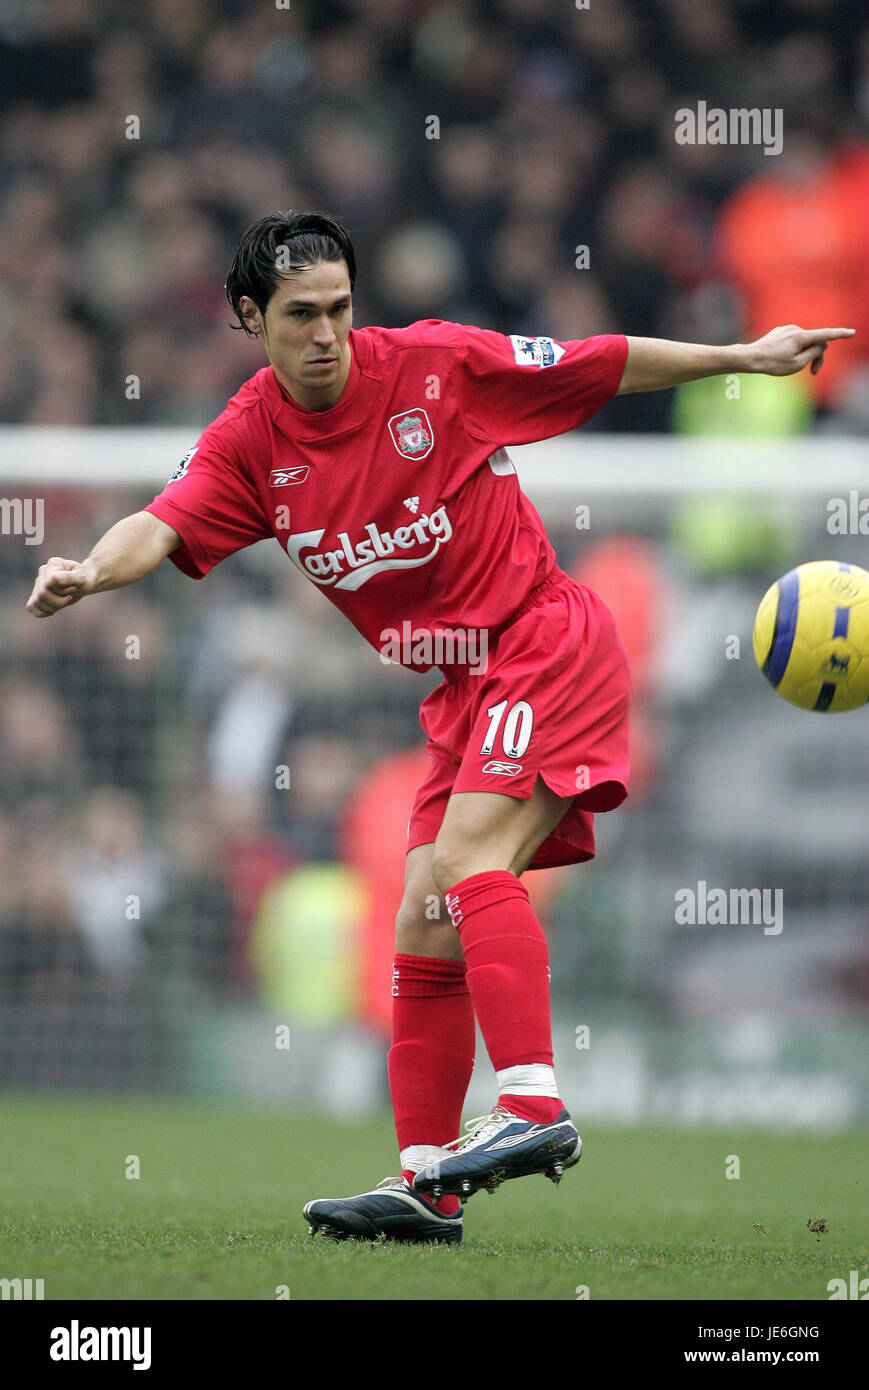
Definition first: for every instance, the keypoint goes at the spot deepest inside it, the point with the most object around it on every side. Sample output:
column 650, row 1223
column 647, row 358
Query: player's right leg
column 430, row 1065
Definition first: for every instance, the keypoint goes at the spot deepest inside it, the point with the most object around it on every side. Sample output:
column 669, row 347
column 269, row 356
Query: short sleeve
column 211, row 503
column 516, row 389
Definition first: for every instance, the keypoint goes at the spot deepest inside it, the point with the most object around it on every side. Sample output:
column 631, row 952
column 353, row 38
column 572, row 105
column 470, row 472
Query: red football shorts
column 552, row 702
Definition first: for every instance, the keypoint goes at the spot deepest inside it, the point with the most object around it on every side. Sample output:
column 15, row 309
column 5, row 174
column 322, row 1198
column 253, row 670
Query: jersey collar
column 349, row 411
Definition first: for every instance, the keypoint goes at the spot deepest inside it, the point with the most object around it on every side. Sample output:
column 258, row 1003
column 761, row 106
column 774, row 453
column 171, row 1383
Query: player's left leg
column 430, row 1065
column 485, row 842
column 482, row 831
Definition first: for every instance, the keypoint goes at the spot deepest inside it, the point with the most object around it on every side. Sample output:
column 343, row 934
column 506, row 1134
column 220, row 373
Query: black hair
column 281, row 242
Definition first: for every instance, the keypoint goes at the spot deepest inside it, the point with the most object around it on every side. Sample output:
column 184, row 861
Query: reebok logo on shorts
column 503, row 769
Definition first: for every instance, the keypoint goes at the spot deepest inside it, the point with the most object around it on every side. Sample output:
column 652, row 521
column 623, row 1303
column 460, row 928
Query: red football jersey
column 399, row 502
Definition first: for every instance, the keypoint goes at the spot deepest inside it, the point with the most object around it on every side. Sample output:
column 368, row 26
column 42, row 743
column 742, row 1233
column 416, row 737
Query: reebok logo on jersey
column 536, row 352
column 283, row 477
column 503, row 769
column 355, row 561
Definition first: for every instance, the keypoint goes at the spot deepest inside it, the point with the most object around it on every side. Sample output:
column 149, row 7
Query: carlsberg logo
column 353, row 562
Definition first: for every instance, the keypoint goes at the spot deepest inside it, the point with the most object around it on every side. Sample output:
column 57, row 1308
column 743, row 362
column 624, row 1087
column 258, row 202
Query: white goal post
column 633, row 477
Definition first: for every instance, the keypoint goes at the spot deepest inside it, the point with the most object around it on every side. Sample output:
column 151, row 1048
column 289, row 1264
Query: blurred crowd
column 473, row 149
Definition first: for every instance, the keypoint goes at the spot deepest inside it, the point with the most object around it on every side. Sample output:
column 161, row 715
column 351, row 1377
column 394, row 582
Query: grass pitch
column 216, row 1211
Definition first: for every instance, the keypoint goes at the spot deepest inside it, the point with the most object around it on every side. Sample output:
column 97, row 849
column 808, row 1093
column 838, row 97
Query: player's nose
column 324, row 333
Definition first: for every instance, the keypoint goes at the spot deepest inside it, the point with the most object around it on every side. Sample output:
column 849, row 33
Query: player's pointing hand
column 59, row 584
column 788, row 349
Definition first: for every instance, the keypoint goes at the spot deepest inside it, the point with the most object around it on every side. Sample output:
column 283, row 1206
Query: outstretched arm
column 131, row 549
column 654, row 363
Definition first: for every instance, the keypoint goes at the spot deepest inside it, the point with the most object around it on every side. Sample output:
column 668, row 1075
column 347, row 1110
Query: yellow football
column 811, row 636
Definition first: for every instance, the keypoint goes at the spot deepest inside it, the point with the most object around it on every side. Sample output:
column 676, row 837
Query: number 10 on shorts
column 516, row 733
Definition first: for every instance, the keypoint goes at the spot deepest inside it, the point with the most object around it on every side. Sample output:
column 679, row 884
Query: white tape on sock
column 417, row 1156
column 534, row 1079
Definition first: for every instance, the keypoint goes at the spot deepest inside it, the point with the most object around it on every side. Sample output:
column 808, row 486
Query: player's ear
column 252, row 317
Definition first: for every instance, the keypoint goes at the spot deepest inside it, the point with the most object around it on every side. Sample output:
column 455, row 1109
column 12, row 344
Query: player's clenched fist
column 132, row 548
column 59, row 584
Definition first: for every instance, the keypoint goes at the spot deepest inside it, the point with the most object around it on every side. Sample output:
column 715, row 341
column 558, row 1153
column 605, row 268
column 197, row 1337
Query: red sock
column 447, row 1206
column 541, row 1109
column 508, row 978
column 432, row 1053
